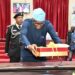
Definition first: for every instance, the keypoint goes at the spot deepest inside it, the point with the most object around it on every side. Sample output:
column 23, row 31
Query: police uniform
column 31, row 35
column 12, row 46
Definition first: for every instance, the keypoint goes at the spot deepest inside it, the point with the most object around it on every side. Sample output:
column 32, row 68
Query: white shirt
column 18, row 25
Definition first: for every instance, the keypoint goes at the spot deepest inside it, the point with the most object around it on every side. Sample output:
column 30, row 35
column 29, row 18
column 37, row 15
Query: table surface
column 38, row 68
column 38, row 73
column 31, row 66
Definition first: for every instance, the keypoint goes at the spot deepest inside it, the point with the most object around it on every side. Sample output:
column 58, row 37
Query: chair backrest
column 73, row 37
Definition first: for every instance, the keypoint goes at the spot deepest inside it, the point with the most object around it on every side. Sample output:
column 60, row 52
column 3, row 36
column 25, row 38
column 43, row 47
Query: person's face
column 19, row 20
column 38, row 25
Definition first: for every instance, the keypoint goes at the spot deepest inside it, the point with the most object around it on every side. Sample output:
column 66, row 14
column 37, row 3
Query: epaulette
column 9, row 26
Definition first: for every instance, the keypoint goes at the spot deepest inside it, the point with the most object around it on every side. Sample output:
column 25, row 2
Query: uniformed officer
column 33, row 34
column 12, row 46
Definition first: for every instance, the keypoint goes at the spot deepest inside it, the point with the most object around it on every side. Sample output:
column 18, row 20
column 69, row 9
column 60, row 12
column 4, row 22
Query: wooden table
column 39, row 68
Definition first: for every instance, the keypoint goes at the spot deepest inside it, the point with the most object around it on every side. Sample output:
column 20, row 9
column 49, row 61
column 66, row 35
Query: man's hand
column 30, row 47
column 7, row 53
column 35, row 53
column 33, row 49
column 35, row 46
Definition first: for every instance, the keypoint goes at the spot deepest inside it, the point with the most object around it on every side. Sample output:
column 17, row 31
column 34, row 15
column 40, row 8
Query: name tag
column 14, row 31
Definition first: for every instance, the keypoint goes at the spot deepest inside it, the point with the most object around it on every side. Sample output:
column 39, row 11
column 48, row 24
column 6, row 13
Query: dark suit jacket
column 70, row 41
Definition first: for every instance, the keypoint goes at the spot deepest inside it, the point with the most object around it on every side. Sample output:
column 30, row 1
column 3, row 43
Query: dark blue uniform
column 12, row 46
column 31, row 35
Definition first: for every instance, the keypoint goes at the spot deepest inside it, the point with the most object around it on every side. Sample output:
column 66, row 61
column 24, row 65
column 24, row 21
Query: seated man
column 71, row 42
column 33, row 34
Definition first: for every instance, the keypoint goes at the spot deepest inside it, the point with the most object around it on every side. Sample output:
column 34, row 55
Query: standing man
column 12, row 46
column 33, row 34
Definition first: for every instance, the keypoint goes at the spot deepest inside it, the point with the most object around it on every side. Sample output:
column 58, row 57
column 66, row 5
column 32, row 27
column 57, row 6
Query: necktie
column 19, row 27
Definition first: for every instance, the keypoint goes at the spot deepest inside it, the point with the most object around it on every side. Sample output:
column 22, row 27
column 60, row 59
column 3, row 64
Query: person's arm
column 25, row 41
column 52, row 33
column 8, row 35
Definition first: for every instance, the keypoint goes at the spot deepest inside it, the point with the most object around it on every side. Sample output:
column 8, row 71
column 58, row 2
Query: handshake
column 33, row 49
